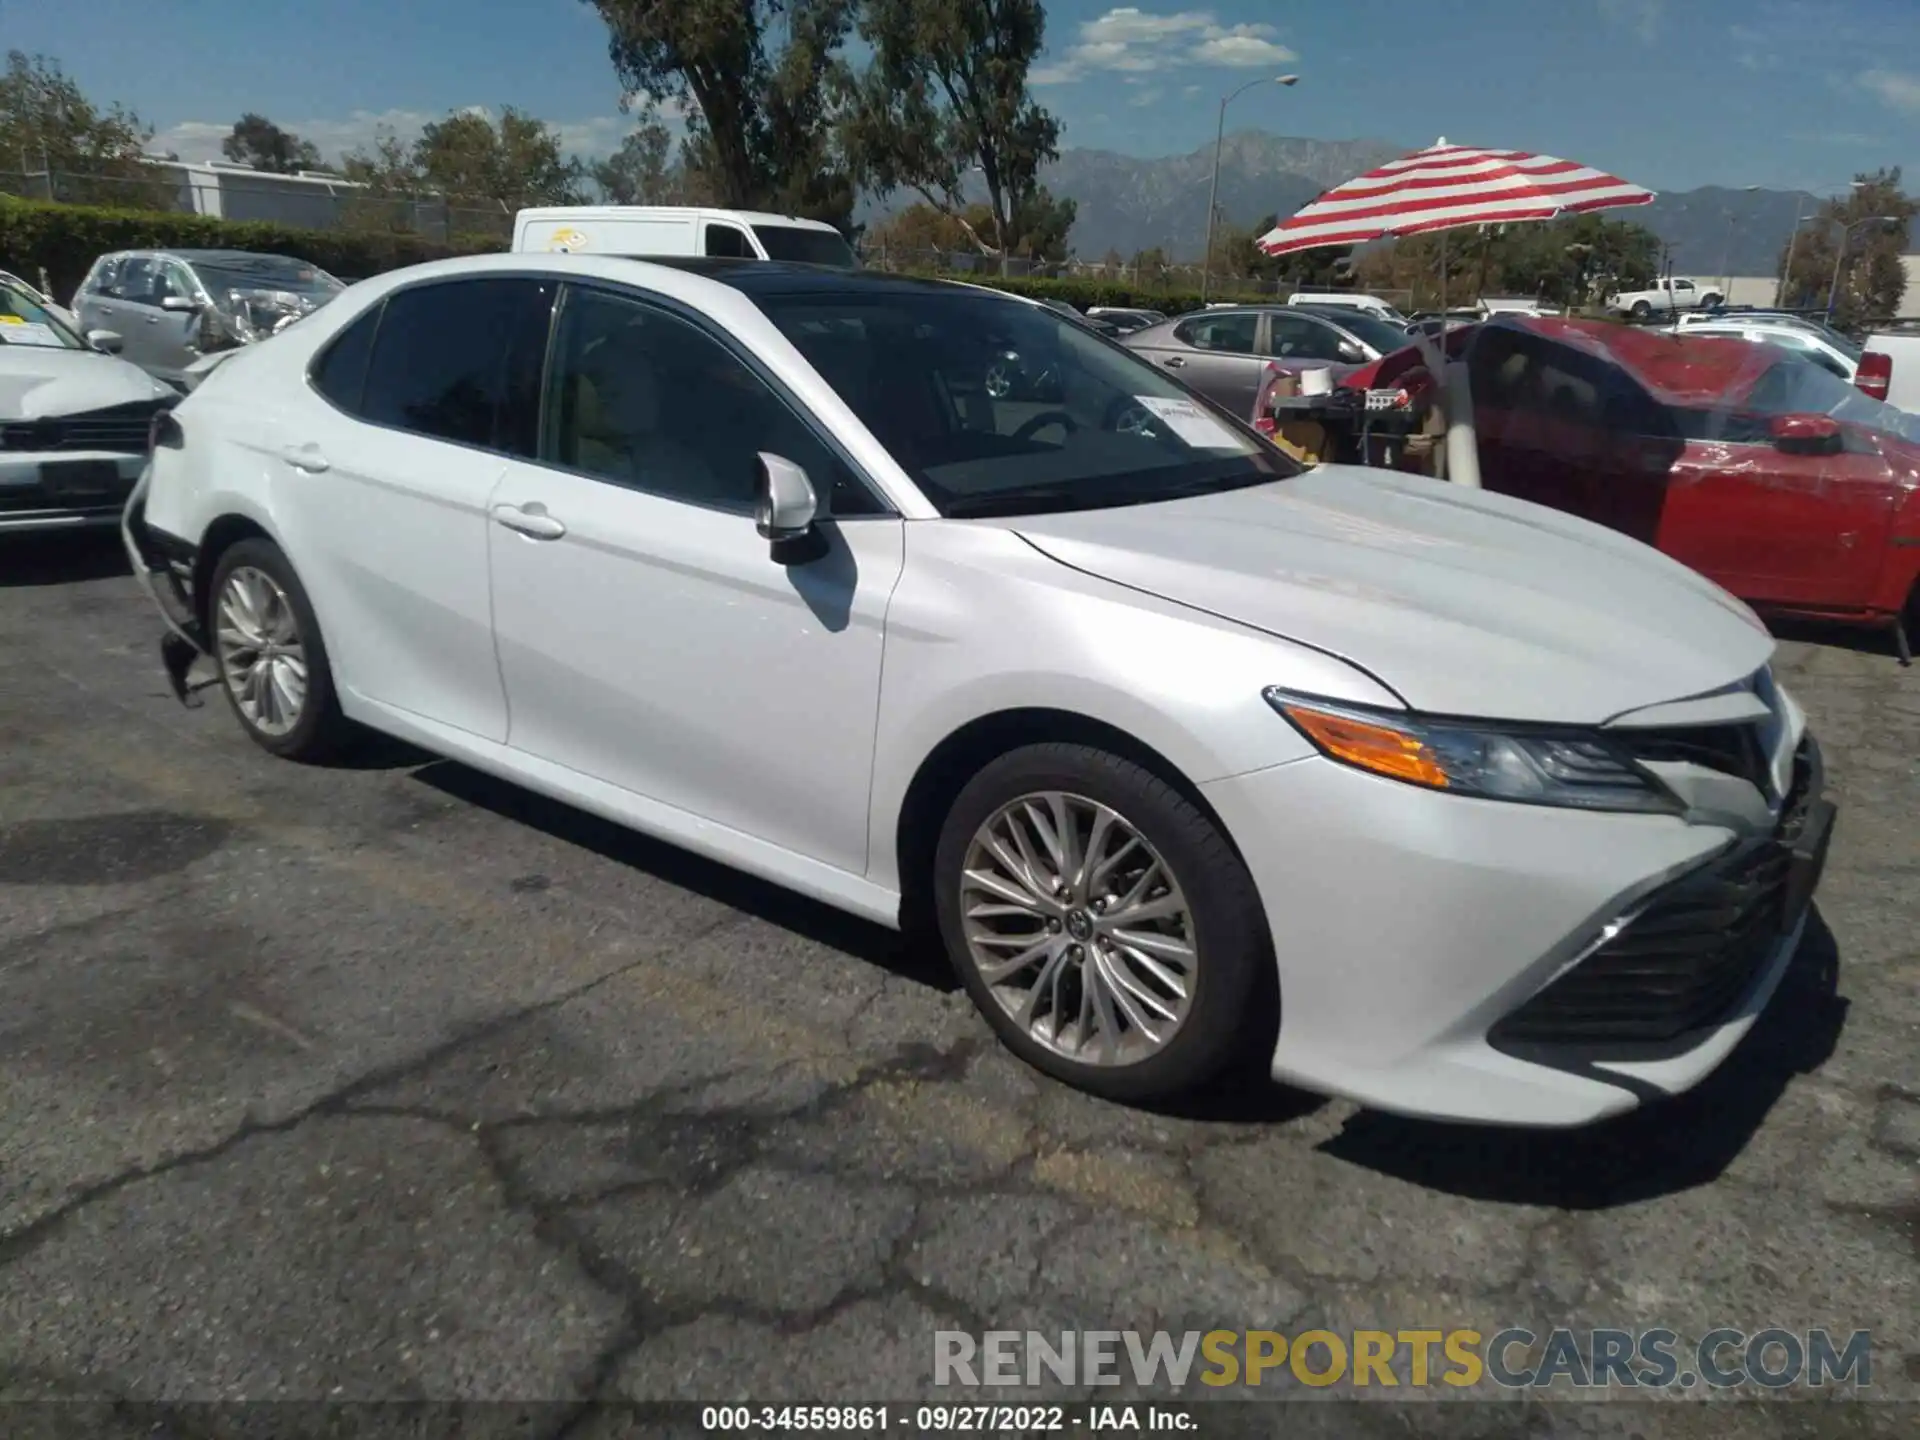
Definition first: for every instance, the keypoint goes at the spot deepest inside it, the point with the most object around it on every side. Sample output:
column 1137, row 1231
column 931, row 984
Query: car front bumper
column 34, row 497
column 1512, row 964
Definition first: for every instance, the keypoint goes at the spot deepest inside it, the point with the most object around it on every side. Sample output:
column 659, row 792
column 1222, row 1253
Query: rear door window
column 1235, row 332
column 460, row 361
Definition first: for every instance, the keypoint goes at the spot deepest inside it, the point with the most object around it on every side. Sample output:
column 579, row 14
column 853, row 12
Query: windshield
column 1798, row 387
column 25, row 321
column 994, row 406
column 808, row 247
column 266, row 272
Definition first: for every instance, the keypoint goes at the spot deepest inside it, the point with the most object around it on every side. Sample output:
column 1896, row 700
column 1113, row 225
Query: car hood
column 1461, row 601
column 39, row 382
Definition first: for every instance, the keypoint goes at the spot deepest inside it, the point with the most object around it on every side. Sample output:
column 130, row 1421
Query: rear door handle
column 1173, row 362
column 304, row 457
column 531, row 520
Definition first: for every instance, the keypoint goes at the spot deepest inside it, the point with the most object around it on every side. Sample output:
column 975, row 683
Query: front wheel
column 272, row 659
column 1101, row 922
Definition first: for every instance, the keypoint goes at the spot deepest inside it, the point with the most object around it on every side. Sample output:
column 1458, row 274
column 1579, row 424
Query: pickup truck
column 1669, row 296
column 1902, row 366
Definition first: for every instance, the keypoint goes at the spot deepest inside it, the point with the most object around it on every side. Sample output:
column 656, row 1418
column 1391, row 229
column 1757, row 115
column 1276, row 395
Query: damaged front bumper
column 164, row 567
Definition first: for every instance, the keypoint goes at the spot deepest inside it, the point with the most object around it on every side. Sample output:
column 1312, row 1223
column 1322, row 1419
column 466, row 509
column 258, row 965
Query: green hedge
column 66, row 239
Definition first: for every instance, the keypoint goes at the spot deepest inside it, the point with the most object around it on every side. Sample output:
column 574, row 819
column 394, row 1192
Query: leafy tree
column 759, row 131
column 915, row 233
column 946, row 97
column 47, row 125
column 1872, row 279
column 257, row 142
column 1040, row 225
column 516, row 163
column 643, row 170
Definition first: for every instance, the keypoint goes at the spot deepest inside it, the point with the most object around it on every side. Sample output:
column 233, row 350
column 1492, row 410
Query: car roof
column 786, row 277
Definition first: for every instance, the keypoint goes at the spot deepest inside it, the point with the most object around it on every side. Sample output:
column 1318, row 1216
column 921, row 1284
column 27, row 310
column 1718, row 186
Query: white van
column 648, row 230
column 1371, row 304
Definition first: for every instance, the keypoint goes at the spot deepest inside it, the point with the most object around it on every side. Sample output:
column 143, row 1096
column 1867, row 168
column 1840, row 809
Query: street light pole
column 1846, row 239
column 1786, row 271
column 1213, row 194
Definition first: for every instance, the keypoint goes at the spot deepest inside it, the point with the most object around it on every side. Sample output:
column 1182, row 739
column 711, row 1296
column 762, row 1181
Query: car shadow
column 1860, row 639
column 61, row 557
column 908, row 956
column 1659, row 1149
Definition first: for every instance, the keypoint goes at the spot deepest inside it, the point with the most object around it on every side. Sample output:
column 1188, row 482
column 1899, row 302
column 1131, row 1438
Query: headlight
column 1532, row 765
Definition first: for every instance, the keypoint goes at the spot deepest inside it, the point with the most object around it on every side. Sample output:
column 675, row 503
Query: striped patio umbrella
column 1444, row 187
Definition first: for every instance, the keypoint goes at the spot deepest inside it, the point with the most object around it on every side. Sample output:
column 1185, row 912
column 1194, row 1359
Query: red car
column 1765, row 473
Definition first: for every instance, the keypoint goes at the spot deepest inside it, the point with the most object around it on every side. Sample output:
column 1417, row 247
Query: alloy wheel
column 1079, row 928
column 262, row 658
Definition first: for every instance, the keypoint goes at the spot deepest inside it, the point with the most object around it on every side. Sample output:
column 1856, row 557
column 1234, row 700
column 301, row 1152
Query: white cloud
column 1130, row 40
column 1895, row 88
column 1147, row 97
column 1643, row 17
column 589, row 138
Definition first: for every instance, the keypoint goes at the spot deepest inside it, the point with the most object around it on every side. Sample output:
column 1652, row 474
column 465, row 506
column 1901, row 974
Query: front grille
column 1683, row 959
column 121, row 429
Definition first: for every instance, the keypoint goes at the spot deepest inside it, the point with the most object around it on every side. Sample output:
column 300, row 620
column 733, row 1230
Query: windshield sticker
column 1192, row 424
column 27, row 332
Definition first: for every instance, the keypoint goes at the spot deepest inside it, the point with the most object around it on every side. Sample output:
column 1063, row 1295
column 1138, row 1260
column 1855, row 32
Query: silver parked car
column 174, row 306
column 1223, row 353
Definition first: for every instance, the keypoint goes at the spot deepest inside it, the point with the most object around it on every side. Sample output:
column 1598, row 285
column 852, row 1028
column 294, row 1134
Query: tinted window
column 643, row 398
column 139, row 278
column 1294, row 337
column 1234, row 331
column 807, row 247
column 729, row 242
column 996, row 406
column 459, row 361
column 340, row 373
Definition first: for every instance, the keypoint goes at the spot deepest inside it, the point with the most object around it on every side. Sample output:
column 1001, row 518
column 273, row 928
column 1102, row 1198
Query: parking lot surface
column 388, row 1081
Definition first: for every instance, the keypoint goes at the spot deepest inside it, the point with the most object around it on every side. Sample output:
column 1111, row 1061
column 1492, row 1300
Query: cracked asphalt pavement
column 390, row 1082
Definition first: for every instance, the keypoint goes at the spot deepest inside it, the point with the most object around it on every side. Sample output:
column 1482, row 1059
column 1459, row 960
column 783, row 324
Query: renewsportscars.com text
column 1511, row 1358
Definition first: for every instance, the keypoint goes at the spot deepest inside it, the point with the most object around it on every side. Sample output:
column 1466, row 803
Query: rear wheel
column 1641, row 310
column 272, row 660
column 1101, row 922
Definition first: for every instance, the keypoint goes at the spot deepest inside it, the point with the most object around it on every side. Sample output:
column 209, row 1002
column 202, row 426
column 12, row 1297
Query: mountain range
column 1128, row 203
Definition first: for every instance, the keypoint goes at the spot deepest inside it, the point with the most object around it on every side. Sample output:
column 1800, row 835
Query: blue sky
column 1668, row 93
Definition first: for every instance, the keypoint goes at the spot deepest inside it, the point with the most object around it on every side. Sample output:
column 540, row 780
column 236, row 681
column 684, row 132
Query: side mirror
column 179, row 302
column 784, row 510
column 1805, row 432
column 107, row 342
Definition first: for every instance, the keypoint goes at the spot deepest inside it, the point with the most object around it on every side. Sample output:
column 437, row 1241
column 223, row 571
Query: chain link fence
column 307, row 202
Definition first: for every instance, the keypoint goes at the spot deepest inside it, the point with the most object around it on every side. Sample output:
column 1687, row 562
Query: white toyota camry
column 1454, row 805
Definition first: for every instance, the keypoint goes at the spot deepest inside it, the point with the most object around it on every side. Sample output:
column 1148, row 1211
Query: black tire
column 321, row 729
column 1710, row 300
column 1641, row 310
column 1234, row 978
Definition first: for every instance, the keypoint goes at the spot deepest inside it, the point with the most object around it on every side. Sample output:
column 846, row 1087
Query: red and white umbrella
column 1444, row 187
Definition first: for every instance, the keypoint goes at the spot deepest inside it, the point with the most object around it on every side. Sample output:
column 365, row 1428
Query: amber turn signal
column 1379, row 748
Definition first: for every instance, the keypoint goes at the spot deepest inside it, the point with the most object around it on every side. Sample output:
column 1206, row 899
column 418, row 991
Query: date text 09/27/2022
column 978, row 1419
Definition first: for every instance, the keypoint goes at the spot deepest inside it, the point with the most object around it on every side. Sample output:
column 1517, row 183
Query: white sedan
column 1451, row 804
column 74, row 419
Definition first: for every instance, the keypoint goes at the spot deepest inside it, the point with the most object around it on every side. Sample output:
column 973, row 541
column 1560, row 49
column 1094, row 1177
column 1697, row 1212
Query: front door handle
column 530, row 520
column 304, row 457
column 1173, row 362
